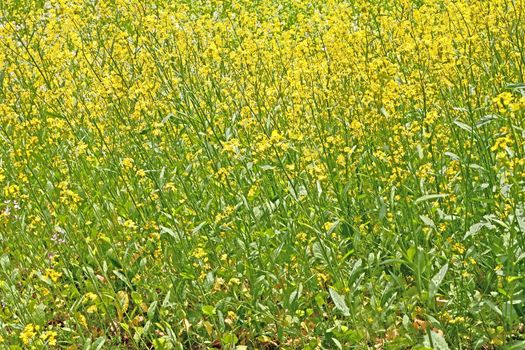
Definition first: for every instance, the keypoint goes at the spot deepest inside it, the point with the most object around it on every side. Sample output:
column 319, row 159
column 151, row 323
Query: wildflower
column 90, row 296
column 130, row 224
column 458, row 248
column 11, row 191
column 49, row 337
column 127, row 163
column 232, row 315
column 92, row 309
column 82, row 320
column 322, row 278
column 329, row 225
column 503, row 100
column 53, row 275
column 301, row 237
column 199, row 253
column 29, row 332
column 170, row 187
column 341, row 160
column 234, row 280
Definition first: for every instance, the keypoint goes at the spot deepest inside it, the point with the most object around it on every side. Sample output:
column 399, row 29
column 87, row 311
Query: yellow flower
column 53, row 275
column 199, row 253
column 130, row 224
column 458, row 248
column 234, row 280
column 11, row 191
column 328, row 225
column 301, row 237
column 127, row 163
column 92, row 309
column 89, row 296
column 170, row 187
column 503, row 100
column 341, row 160
column 50, row 337
column 82, row 320
column 29, row 333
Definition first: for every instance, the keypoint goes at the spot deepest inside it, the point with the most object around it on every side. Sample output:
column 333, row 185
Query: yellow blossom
column 28, row 333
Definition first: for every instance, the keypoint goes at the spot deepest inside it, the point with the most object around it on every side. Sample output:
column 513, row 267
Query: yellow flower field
column 262, row 174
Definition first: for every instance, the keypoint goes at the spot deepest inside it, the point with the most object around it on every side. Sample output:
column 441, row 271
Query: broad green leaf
column 438, row 341
column 208, row 310
column 436, row 281
column 463, row 125
column 517, row 345
column 494, row 307
column 429, row 197
column 99, row 343
column 136, row 297
column 339, row 302
column 123, row 278
column 151, row 310
column 427, row 221
column 169, row 231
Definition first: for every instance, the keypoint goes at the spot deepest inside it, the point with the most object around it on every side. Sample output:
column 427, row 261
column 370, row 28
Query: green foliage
column 262, row 174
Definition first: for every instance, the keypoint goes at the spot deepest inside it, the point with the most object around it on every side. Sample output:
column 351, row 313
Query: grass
column 262, row 175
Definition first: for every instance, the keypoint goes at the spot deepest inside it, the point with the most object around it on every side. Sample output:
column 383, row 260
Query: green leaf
column 429, row 197
column 169, row 231
column 4, row 261
column 166, row 301
column 151, row 310
column 411, row 253
column 339, row 302
column 428, row 221
column 516, row 86
column 198, row 228
column 208, row 310
column 337, row 343
column 296, row 294
column 517, row 345
column 486, row 120
column 436, row 281
column 320, row 299
column 137, row 298
column 494, row 307
column 438, row 341
column 99, row 343
column 123, row 278
column 230, row 339
column 463, row 125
